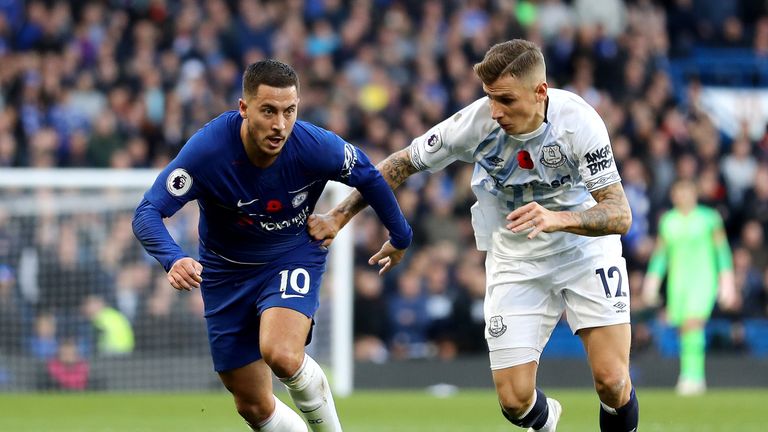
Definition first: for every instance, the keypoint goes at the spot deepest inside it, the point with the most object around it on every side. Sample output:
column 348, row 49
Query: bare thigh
column 282, row 336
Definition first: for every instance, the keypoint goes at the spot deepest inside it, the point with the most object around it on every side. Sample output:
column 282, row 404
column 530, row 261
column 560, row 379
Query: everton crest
column 551, row 156
column 496, row 326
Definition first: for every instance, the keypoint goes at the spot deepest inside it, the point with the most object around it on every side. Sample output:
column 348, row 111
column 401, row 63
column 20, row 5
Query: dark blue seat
column 756, row 335
column 666, row 339
column 718, row 329
column 725, row 67
column 563, row 343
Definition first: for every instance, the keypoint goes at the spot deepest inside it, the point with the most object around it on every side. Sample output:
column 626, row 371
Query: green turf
column 661, row 410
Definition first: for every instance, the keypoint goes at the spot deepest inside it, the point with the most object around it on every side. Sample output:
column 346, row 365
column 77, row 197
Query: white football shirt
column 557, row 165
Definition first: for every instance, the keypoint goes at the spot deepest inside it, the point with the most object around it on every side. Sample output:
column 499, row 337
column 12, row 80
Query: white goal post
column 134, row 182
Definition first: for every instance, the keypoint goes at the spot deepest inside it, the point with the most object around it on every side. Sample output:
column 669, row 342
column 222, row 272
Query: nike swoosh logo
column 309, row 411
column 240, row 203
column 287, row 296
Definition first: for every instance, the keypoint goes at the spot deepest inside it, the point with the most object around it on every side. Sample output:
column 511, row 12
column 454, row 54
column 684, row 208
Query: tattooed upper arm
column 395, row 169
column 611, row 215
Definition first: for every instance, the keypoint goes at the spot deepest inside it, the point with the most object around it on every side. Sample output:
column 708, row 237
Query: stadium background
column 680, row 84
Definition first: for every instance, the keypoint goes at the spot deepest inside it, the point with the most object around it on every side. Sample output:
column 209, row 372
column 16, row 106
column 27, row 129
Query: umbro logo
column 620, row 305
column 495, row 160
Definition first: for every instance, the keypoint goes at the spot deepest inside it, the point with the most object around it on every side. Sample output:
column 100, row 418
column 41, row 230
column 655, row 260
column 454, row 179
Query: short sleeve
column 455, row 138
column 592, row 148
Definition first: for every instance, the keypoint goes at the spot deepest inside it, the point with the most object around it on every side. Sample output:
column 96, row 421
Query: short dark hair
column 269, row 72
column 516, row 57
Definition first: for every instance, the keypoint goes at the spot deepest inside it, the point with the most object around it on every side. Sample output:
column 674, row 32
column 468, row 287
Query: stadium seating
column 665, row 338
column 719, row 67
column 563, row 343
column 756, row 335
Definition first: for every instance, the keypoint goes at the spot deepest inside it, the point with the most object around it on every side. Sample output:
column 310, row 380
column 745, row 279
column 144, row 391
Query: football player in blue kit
column 257, row 174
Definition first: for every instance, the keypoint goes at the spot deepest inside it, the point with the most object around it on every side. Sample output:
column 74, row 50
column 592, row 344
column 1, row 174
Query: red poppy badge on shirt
column 274, row 206
column 524, row 160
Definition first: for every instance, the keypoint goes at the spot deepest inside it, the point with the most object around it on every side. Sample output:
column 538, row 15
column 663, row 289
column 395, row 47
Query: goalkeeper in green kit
column 693, row 249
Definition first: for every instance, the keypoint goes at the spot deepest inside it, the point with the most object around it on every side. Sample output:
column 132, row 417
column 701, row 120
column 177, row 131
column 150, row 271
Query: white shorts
column 525, row 299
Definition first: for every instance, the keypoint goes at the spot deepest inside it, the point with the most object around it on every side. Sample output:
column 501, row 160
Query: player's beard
column 261, row 143
column 260, row 147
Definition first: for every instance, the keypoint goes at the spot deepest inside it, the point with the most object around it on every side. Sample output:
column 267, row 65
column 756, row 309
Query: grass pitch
column 412, row 411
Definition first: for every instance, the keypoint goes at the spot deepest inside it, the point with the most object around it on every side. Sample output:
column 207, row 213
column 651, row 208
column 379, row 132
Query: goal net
column 82, row 306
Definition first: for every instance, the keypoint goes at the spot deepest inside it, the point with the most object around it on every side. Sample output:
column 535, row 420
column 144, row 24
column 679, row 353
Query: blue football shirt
column 252, row 215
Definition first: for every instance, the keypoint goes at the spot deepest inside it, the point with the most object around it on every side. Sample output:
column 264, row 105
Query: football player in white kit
column 549, row 212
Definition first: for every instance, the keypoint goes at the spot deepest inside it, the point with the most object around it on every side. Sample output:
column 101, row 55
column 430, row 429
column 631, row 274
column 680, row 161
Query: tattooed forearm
column 395, row 169
column 611, row 215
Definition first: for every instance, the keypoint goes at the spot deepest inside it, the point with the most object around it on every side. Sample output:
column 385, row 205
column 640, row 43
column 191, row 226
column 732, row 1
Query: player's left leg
column 608, row 355
column 282, row 335
column 692, row 380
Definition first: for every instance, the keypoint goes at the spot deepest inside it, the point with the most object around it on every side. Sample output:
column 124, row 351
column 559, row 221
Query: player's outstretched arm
column 395, row 169
column 611, row 215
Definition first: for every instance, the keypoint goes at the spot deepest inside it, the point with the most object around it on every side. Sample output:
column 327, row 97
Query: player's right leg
column 251, row 387
column 520, row 313
column 521, row 402
column 233, row 337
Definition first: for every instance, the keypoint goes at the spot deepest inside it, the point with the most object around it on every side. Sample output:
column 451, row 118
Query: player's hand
column 651, row 298
column 323, row 227
column 186, row 274
column 650, row 292
column 533, row 217
column 728, row 295
column 387, row 257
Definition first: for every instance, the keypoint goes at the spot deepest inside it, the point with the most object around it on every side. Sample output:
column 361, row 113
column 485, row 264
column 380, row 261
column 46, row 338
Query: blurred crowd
column 123, row 84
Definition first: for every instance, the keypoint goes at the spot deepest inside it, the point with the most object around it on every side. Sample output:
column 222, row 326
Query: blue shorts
column 235, row 295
